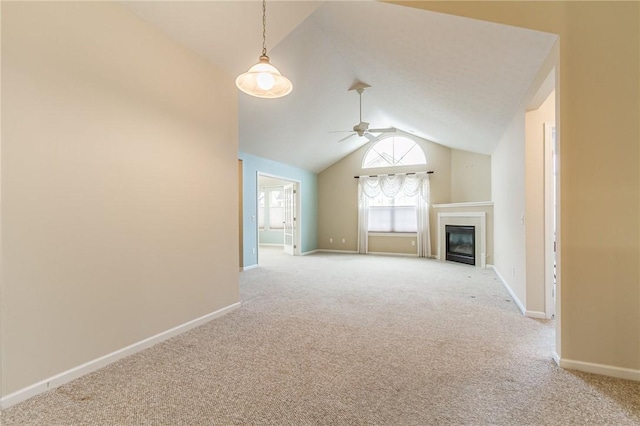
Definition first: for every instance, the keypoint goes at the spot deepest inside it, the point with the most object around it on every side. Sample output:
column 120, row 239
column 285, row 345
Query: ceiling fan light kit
column 263, row 80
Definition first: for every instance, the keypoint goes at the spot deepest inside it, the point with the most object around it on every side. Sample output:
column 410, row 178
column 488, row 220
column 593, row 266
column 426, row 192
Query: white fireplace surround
column 476, row 219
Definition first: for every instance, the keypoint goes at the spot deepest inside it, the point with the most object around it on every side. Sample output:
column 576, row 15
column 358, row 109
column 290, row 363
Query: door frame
column 290, row 217
column 297, row 251
column 550, row 220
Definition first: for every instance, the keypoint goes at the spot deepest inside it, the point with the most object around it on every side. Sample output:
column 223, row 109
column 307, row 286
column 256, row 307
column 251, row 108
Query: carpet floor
column 335, row 339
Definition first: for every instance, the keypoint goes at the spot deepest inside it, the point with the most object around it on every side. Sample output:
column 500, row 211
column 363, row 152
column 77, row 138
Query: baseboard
column 270, row 245
column 511, row 293
column 306, row 253
column 98, row 363
column 382, row 253
column 337, row 251
column 248, row 268
column 602, row 369
column 535, row 314
column 556, row 358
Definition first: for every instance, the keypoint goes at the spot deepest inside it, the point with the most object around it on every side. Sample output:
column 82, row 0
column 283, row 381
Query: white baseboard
column 337, row 251
column 535, row 314
column 247, row 268
column 96, row 364
column 382, row 253
column 556, row 358
column 511, row 293
column 602, row 369
column 270, row 245
column 375, row 253
column 306, row 253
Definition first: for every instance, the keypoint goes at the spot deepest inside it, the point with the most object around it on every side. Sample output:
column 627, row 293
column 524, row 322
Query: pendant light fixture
column 263, row 80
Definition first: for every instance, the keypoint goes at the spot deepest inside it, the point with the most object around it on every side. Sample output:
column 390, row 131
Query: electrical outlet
column 513, row 272
column 330, row 240
column 344, row 240
column 253, row 250
column 413, row 243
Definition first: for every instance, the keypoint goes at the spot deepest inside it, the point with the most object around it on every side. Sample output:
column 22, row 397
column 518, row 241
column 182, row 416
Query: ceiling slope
column 451, row 80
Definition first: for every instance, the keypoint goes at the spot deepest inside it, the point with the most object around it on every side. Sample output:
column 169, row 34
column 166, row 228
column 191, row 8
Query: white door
column 289, row 221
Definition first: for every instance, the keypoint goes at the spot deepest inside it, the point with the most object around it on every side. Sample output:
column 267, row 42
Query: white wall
column 508, row 191
column 113, row 140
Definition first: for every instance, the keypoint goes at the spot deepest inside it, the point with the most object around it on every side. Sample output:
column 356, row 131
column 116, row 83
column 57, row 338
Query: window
column 394, row 151
column 261, row 207
column 270, row 208
column 395, row 203
column 393, row 214
column 276, row 208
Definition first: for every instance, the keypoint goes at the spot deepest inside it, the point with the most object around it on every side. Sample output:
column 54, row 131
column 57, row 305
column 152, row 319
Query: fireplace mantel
column 477, row 219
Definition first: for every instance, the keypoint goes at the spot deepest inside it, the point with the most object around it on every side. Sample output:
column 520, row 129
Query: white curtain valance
column 392, row 185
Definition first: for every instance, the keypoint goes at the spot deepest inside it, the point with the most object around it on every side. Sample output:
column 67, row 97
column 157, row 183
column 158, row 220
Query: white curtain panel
column 422, row 210
column 363, row 219
column 390, row 186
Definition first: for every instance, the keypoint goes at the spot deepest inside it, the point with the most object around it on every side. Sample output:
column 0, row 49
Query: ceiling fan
column 362, row 128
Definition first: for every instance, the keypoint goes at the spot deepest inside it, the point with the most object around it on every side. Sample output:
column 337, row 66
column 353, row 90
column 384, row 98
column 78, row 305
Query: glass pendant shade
column 263, row 80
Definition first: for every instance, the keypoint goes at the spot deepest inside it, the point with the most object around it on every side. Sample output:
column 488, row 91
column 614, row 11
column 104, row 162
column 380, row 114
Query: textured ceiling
column 228, row 33
column 452, row 80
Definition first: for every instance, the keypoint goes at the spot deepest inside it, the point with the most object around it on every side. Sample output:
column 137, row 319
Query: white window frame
column 394, row 163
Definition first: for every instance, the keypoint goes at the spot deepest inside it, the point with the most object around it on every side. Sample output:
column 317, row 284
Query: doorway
column 542, row 224
column 278, row 205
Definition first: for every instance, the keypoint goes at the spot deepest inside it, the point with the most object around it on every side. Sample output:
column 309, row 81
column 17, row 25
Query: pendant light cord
column 264, row 27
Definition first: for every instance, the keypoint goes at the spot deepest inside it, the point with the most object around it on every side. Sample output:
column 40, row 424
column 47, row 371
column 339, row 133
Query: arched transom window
column 394, row 151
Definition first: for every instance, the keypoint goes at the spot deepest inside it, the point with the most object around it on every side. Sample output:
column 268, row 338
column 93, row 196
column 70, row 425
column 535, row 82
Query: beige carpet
column 348, row 340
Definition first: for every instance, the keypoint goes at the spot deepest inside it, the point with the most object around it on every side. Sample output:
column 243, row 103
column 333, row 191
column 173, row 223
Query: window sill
column 393, row 234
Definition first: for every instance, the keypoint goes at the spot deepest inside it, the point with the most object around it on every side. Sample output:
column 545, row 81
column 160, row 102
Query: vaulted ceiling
column 452, row 80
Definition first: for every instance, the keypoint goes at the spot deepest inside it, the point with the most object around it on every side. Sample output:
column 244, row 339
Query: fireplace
column 464, row 218
column 461, row 244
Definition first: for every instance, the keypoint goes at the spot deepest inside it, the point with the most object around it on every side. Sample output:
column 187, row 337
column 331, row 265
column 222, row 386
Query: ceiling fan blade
column 347, row 137
column 370, row 137
column 340, row 131
column 387, row 130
